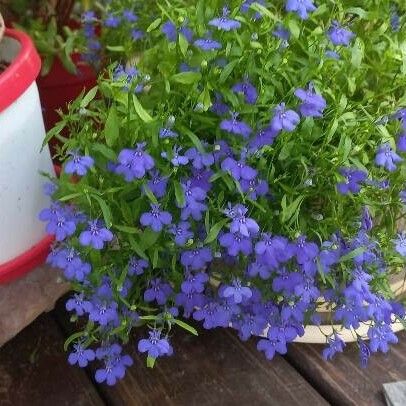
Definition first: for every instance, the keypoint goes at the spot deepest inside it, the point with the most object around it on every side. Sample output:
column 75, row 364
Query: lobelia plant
column 249, row 168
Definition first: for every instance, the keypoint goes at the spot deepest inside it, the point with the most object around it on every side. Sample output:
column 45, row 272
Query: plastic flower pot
column 23, row 241
column 60, row 87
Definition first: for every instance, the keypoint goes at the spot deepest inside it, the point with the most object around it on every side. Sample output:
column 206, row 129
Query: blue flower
column 199, row 160
column 238, row 169
column 167, row 133
column 353, row 178
column 380, row 336
column 137, row 34
column 112, row 21
column 240, row 223
column 210, row 314
column 224, row 23
column 272, row 347
column 134, row 163
column 300, row 7
column 401, row 144
column 169, row 29
column 197, row 258
column 95, row 235
column 194, row 282
column 207, row 44
column 332, row 55
column 81, row 355
column 400, row 244
column 158, row 184
column 78, row 304
column 181, row 232
column 155, row 346
column 60, row 221
column 254, row 188
column 190, row 301
column 247, row 89
column 156, row 218
column 339, row 35
column 387, row 158
column 129, row 16
column 236, row 243
column 158, row 290
column 137, row 266
column 115, row 365
column 219, row 107
column 79, row 164
column 335, row 345
column 313, row 104
column 234, row 126
column 281, row 32
column 284, row 119
column 237, row 292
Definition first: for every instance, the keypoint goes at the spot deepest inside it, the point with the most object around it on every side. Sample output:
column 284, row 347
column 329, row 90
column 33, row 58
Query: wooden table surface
column 215, row 368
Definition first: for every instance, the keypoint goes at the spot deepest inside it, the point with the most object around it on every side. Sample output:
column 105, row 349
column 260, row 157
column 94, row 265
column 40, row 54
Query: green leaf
column 294, row 28
column 186, row 326
column 352, row 254
column 154, row 25
column 104, row 150
column 148, row 238
column 143, row 114
column 227, row 70
column 149, row 194
column 115, row 48
column 137, row 248
column 183, row 44
column 127, row 229
column 194, row 138
column 214, row 231
column 105, row 210
column 360, row 12
column 155, row 259
column 289, row 211
column 179, row 193
column 111, row 128
column 91, row 94
column 357, row 53
column 69, row 197
column 186, row 78
column 53, row 132
column 72, row 338
column 150, row 362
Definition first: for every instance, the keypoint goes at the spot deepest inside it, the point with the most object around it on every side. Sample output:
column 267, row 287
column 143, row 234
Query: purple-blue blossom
column 181, row 232
column 236, row 243
column 137, row 266
column 400, row 244
column 234, row 126
column 284, row 119
column 225, row 23
column 339, row 35
column 380, row 336
column 237, row 292
column 387, row 158
column 353, row 180
column 81, row 355
column 156, row 218
column 60, row 221
column 300, row 7
column 155, row 345
column 169, row 29
column 158, row 184
column 96, row 235
column 196, row 258
column 247, row 89
column 134, row 163
column 334, row 345
column 239, row 170
column 207, row 44
column 78, row 164
column 312, row 104
column 246, row 226
column 158, row 290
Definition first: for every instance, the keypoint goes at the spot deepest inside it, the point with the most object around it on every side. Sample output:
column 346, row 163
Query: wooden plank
column 343, row 381
column 215, row 368
column 34, row 371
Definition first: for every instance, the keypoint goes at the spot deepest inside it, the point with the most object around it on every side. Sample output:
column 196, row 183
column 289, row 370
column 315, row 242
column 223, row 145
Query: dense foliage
column 236, row 166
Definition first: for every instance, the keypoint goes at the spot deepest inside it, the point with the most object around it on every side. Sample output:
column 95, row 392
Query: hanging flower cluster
column 240, row 174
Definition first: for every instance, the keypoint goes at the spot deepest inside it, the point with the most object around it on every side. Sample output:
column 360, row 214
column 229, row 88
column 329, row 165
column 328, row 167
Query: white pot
column 21, row 159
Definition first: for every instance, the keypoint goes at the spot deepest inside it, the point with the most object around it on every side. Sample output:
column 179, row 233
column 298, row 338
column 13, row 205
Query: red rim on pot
column 22, row 72
column 14, row 81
